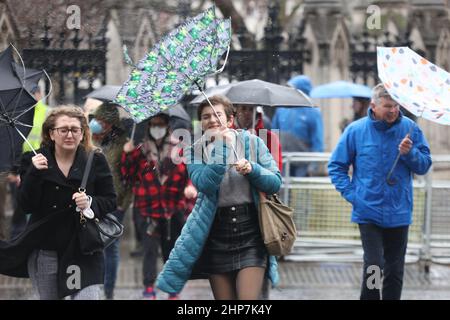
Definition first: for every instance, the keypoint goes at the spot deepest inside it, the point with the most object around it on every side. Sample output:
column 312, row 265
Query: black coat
column 54, row 223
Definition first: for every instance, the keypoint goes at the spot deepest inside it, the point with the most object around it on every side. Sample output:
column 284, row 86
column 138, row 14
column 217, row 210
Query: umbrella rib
column 21, row 80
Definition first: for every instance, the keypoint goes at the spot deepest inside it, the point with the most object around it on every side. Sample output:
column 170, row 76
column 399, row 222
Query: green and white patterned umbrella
column 178, row 63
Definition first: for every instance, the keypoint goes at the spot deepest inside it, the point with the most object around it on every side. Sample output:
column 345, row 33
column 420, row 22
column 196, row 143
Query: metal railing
column 323, row 221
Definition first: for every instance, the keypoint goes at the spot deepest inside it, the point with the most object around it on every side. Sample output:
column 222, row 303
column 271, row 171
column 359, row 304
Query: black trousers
column 155, row 234
column 384, row 254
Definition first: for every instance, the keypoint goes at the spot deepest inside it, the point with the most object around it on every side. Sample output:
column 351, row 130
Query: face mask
column 95, row 126
column 157, row 132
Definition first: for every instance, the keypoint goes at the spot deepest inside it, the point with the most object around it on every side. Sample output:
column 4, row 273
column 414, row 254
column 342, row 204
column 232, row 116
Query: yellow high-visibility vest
column 34, row 137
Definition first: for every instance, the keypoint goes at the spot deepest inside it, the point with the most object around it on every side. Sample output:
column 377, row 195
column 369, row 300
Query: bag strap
column 87, row 169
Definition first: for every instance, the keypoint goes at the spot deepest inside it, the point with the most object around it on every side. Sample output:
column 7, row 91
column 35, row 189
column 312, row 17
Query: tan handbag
column 277, row 225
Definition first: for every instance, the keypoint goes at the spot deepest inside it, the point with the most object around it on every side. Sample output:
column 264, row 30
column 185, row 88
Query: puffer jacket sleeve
column 418, row 159
column 339, row 164
column 265, row 175
column 206, row 177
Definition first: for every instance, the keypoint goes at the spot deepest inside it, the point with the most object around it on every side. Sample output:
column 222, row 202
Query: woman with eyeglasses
column 48, row 251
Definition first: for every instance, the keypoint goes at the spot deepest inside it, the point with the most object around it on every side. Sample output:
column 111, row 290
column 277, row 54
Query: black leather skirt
column 234, row 241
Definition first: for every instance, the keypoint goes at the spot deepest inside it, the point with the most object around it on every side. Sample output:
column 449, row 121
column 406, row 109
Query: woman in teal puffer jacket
column 221, row 239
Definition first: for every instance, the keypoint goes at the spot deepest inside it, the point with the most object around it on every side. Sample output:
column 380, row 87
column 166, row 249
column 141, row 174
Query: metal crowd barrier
column 322, row 216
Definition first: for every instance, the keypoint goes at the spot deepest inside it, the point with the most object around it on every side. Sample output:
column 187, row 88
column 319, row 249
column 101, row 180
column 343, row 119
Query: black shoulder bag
column 97, row 233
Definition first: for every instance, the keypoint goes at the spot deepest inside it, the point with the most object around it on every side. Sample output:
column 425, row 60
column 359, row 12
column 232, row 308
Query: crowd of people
column 219, row 180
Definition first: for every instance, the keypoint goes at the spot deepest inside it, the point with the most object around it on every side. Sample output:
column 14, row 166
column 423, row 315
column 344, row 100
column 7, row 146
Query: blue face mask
column 95, row 127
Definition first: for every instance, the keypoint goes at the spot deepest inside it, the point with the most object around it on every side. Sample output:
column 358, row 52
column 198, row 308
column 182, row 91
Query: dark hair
column 216, row 100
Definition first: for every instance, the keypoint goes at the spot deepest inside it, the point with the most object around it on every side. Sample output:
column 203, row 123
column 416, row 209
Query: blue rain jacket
column 371, row 147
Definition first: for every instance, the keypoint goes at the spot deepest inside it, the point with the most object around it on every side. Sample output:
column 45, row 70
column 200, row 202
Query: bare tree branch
column 237, row 22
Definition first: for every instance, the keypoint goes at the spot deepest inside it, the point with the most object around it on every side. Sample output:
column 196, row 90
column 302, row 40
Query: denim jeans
column 384, row 250
column 112, row 259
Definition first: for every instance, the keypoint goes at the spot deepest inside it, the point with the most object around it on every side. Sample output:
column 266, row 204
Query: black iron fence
column 72, row 69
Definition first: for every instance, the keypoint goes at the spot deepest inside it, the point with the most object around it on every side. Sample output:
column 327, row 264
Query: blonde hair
column 71, row 111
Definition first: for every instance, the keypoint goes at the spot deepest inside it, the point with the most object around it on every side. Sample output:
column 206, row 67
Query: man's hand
column 405, row 146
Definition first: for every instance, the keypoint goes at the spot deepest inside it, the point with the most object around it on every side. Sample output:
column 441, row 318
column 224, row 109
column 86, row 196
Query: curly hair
column 71, row 111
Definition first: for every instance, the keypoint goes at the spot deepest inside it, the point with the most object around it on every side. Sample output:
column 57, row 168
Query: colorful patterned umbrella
column 415, row 83
column 178, row 63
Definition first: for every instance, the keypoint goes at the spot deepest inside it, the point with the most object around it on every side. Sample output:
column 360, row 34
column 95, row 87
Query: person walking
column 109, row 134
column 305, row 124
column 221, row 239
column 48, row 251
column 382, row 209
column 159, row 194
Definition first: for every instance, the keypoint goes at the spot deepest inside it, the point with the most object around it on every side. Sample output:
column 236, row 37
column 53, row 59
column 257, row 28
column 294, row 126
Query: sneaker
column 173, row 296
column 149, row 293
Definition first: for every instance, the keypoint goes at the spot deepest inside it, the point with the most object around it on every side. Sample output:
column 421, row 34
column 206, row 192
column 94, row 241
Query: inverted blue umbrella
column 341, row 89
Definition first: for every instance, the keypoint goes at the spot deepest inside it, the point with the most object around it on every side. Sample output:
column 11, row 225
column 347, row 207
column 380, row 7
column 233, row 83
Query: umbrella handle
column 390, row 181
column 388, row 177
column 133, row 131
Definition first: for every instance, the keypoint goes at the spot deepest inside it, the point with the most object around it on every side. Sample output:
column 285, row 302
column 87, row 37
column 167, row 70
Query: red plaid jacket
column 150, row 197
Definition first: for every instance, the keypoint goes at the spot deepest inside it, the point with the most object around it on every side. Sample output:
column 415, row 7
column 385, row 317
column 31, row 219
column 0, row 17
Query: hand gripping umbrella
column 178, row 63
column 16, row 107
column 416, row 84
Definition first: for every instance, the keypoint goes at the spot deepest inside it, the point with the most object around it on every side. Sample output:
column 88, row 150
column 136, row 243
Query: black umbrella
column 105, row 93
column 258, row 93
column 30, row 78
column 16, row 109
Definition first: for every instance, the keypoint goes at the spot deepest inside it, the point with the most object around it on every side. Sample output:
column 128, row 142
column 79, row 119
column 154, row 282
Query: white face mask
column 158, row 132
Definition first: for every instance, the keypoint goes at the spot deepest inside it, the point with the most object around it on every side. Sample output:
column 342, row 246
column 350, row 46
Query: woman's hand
column 128, row 147
column 190, row 192
column 243, row 166
column 81, row 200
column 40, row 161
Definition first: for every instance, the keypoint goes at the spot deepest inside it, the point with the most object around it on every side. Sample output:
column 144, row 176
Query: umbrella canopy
column 16, row 112
column 259, row 93
column 341, row 89
column 105, row 93
column 415, row 83
column 179, row 62
column 30, row 78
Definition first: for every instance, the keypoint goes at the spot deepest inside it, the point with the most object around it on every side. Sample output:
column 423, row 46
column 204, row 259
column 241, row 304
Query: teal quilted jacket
column 207, row 175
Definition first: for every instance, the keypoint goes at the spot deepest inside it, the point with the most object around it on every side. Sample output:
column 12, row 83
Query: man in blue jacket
column 383, row 211
column 305, row 124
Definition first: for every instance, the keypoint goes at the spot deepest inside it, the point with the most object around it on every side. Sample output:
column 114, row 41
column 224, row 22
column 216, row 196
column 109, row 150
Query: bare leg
column 249, row 283
column 223, row 286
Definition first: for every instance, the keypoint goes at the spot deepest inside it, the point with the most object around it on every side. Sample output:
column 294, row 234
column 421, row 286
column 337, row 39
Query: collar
column 382, row 125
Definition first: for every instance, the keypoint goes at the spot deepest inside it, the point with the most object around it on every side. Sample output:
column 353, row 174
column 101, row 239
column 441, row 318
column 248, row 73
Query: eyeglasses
column 64, row 131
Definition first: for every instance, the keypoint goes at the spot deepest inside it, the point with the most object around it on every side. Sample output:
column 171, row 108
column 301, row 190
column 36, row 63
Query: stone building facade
column 329, row 27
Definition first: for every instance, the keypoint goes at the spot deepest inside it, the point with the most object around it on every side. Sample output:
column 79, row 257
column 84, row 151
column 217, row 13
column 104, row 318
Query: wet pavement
column 298, row 281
